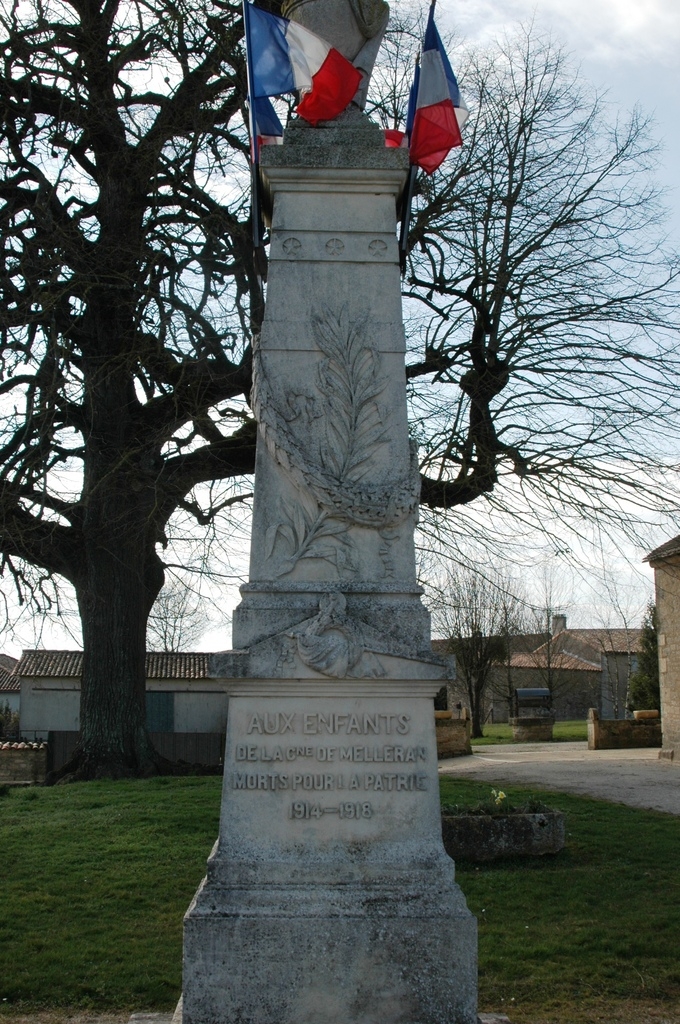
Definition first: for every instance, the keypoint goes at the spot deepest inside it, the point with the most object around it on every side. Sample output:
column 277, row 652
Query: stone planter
column 483, row 837
column 532, row 730
column 644, row 716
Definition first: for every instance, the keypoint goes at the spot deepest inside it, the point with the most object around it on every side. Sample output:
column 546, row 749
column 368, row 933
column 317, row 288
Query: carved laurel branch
column 351, row 382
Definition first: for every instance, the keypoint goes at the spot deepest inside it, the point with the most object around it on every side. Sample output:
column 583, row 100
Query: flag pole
column 406, row 217
column 256, row 213
column 407, row 201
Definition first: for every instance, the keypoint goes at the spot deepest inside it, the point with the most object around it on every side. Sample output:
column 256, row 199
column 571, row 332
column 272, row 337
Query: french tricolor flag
column 284, row 57
column 436, row 110
column 268, row 128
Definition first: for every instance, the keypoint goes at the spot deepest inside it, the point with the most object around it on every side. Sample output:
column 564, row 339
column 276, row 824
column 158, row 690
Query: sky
column 630, row 49
column 627, row 47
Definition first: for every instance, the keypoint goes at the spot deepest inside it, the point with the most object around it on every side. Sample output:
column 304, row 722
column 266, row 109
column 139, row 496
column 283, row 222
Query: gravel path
column 634, row 777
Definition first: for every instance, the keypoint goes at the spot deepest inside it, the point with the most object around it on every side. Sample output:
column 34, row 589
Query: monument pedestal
column 329, row 898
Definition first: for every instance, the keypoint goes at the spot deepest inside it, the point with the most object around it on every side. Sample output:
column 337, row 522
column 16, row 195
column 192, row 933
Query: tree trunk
column 476, row 704
column 115, row 595
column 476, row 721
column 114, row 607
column 117, row 578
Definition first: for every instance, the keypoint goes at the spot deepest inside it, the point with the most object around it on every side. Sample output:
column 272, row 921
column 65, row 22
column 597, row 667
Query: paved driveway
column 634, row 777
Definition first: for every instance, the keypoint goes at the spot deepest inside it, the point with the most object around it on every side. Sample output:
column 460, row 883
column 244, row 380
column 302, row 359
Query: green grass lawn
column 96, row 878
column 502, row 733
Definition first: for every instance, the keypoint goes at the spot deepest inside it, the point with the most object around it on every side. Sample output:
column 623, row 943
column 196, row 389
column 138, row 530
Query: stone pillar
column 329, row 898
column 336, row 480
column 665, row 561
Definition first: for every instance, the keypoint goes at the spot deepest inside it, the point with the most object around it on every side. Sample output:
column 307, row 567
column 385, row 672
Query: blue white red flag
column 394, row 139
column 436, row 111
column 285, row 57
column 268, row 128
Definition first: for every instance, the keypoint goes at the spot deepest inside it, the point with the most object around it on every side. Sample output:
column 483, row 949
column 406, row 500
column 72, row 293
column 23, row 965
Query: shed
column 180, row 696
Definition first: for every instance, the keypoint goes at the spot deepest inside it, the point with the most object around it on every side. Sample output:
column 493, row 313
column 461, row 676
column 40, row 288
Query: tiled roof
column 570, row 649
column 69, row 665
column 525, row 642
column 65, row 664
column 7, row 662
column 667, row 550
column 559, row 660
column 184, row 665
column 9, row 683
column 609, row 641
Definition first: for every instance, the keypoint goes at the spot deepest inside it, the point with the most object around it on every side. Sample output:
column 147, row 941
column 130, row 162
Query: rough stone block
column 622, row 734
column 483, row 837
column 532, row 730
column 27, row 765
column 453, row 734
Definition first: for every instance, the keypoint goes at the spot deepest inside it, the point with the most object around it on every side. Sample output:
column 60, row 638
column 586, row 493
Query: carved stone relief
column 333, row 643
column 292, row 247
column 335, row 246
column 377, row 248
column 334, row 473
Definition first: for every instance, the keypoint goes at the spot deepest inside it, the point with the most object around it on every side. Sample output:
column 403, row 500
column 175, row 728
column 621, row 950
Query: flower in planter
column 498, row 796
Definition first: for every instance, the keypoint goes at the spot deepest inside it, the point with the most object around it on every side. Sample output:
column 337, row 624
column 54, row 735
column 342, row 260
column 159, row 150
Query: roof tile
column 69, row 665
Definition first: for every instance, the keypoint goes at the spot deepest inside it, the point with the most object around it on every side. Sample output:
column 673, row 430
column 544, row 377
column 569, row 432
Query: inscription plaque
column 346, row 769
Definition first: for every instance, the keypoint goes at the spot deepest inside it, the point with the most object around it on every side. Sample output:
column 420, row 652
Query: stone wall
column 527, row 729
column 453, row 733
column 23, row 764
column 622, row 734
column 667, row 580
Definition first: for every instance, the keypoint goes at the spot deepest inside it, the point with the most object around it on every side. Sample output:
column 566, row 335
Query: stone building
column 665, row 560
column 583, row 669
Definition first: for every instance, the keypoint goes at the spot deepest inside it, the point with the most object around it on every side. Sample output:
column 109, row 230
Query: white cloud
column 613, row 31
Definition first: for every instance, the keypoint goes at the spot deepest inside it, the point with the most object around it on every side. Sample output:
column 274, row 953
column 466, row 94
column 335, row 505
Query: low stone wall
column 453, row 734
column 481, row 837
column 532, row 730
column 622, row 734
column 23, row 763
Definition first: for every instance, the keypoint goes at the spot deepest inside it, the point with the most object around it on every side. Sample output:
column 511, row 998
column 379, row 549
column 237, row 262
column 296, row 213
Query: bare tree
column 129, row 297
column 620, row 639
column 471, row 611
column 514, row 622
column 547, row 302
column 177, row 620
column 128, row 293
column 549, row 621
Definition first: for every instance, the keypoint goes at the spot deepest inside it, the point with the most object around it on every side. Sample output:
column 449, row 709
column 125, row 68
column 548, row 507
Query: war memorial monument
column 329, row 898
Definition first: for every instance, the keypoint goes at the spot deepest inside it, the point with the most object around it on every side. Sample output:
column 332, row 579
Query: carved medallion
column 377, row 248
column 291, row 247
column 334, row 246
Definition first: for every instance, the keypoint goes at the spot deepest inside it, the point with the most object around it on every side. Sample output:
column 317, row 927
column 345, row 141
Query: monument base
column 329, row 897
column 348, row 954
column 176, row 1017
